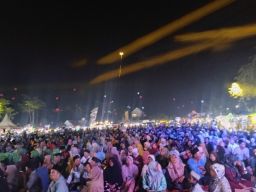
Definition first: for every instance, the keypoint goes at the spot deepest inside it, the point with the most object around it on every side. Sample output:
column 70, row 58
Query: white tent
column 7, row 124
column 137, row 113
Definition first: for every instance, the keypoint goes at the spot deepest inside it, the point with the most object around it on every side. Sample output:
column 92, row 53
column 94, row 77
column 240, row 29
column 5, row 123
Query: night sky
column 50, row 48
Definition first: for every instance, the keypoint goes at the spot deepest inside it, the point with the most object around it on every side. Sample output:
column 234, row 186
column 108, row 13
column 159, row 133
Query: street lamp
column 120, row 68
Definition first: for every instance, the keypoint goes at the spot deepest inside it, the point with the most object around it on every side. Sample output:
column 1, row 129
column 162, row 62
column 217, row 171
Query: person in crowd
column 176, row 173
column 12, row 173
column 99, row 153
column 219, row 182
column 95, row 180
column 194, row 181
column 253, row 161
column 162, row 158
column 153, row 178
column 129, row 173
column 137, row 159
column 34, row 182
column 220, row 150
column 197, row 162
column 3, row 178
column 242, row 152
column 209, row 145
column 42, row 174
column 234, row 176
column 58, row 183
column 146, row 153
column 113, row 179
column 185, row 156
column 210, row 161
column 139, row 146
column 86, row 156
column 74, row 177
column 58, row 161
column 232, row 145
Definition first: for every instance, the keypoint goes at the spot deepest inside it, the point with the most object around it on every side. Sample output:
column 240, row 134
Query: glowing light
column 155, row 61
column 252, row 118
column 166, row 30
column 226, row 34
column 1, row 108
column 237, row 106
column 57, row 110
column 235, row 90
column 121, row 53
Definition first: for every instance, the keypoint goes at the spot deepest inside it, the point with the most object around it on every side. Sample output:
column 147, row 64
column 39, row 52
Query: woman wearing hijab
column 233, row 175
column 95, row 181
column 152, row 176
column 210, row 161
column 129, row 172
column 175, row 173
column 113, row 176
column 219, row 182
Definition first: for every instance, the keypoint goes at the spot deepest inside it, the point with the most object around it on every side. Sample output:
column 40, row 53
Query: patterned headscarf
column 219, row 170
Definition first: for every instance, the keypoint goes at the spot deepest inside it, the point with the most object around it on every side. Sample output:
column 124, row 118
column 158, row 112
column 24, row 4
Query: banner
column 93, row 116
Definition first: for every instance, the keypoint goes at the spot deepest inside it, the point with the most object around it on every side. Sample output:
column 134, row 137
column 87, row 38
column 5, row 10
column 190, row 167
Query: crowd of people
column 151, row 159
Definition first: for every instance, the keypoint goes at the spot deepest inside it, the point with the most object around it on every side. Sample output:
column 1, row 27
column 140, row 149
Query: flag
column 93, row 116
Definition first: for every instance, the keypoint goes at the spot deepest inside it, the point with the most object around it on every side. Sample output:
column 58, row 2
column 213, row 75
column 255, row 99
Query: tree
column 246, row 76
column 247, row 73
column 31, row 106
column 6, row 108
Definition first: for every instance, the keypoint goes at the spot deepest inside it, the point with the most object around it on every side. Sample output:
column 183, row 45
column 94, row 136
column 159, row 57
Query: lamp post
column 120, row 68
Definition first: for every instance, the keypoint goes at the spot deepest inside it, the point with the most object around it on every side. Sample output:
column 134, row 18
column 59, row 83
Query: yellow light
column 252, row 118
column 235, row 90
column 1, row 108
column 165, row 30
column 121, row 53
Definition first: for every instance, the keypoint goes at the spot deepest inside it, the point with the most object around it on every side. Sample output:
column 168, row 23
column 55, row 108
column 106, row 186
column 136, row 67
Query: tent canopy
column 7, row 123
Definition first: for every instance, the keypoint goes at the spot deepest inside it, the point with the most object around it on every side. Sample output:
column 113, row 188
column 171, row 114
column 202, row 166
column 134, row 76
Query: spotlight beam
column 164, row 31
column 158, row 60
column 232, row 33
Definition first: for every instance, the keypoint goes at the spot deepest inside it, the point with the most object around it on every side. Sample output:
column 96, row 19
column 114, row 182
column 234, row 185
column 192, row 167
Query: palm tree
column 31, row 106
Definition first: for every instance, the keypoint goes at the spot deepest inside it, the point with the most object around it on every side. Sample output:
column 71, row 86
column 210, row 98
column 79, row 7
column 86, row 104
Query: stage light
column 235, row 90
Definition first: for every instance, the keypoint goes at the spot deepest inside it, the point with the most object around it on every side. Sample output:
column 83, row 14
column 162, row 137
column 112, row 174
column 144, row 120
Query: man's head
column 196, row 153
column 57, row 158
column 55, row 173
column 242, row 144
column 76, row 160
column 86, row 153
column 94, row 161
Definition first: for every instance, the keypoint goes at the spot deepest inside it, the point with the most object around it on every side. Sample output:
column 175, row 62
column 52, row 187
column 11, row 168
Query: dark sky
column 41, row 41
